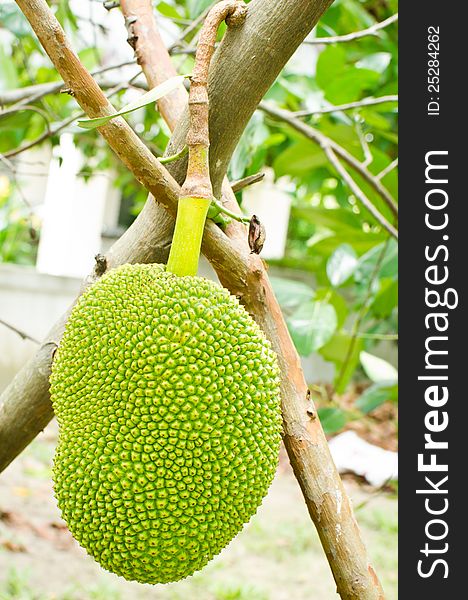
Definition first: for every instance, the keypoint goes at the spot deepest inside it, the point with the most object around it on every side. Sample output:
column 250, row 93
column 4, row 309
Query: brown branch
column 24, row 406
column 355, row 35
column 325, row 142
column 54, row 129
column 197, row 181
column 44, row 136
column 32, row 93
column 142, row 29
column 239, row 185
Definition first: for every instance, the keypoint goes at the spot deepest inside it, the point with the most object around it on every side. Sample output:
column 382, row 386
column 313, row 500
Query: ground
column 276, row 557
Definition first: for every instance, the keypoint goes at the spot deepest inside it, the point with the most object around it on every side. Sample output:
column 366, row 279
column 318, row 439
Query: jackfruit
column 167, row 397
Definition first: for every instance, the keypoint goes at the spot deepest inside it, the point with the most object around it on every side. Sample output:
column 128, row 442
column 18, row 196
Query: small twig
column 378, row 492
column 110, row 4
column 361, row 314
column 349, row 37
column 47, row 134
column 11, row 167
column 59, row 126
column 356, row 190
column 368, row 158
column 347, row 106
column 193, row 25
column 392, row 337
column 22, row 334
column 387, row 169
column 187, row 51
column 326, row 142
column 222, row 209
column 32, row 93
column 239, row 185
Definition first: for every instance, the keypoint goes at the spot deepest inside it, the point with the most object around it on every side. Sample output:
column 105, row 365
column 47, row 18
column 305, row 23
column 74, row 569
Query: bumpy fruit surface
column 167, row 398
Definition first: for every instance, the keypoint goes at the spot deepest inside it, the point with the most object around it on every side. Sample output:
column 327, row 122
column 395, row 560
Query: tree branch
column 348, row 106
column 147, row 43
column 350, row 37
column 239, row 185
column 193, row 25
column 25, row 406
column 55, row 128
column 356, row 190
column 22, row 334
column 325, row 142
column 32, row 93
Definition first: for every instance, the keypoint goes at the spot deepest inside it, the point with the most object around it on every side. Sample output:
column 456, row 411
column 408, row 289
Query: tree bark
column 244, row 274
column 144, row 38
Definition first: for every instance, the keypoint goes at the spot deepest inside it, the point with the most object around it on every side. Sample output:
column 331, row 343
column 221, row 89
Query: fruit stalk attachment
column 196, row 193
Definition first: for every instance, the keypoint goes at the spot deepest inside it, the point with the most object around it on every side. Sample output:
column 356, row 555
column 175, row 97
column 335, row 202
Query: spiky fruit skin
column 167, row 398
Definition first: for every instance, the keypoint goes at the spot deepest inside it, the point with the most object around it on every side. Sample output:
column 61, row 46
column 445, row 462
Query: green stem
column 196, row 192
column 188, row 233
column 219, row 208
column 173, row 157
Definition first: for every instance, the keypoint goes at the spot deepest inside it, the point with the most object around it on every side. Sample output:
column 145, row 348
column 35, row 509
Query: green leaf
column 299, row 159
column 311, row 326
column 149, row 98
column 332, row 419
column 341, row 264
column 291, row 293
column 378, row 61
column 168, row 10
column 368, row 262
column 8, row 75
column 378, row 369
column 13, row 20
column 330, row 65
column 338, row 302
column 386, row 298
column 196, row 7
column 359, row 240
column 351, row 85
column 375, row 395
column 334, row 218
column 336, row 351
column 249, row 144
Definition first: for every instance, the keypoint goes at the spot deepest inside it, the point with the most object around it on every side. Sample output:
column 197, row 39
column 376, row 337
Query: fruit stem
column 197, row 193
column 164, row 160
column 220, row 208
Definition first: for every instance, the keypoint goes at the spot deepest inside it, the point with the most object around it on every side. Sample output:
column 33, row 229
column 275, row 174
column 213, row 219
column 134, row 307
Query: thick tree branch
column 325, row 142
column 24, row 407
column 273, row 29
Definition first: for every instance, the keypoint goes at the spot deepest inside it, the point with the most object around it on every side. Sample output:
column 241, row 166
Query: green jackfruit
column 167, row 398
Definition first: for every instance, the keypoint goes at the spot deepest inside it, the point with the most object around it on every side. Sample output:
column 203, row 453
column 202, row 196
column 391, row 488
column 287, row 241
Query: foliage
column 17, row 233
column 344, row 299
